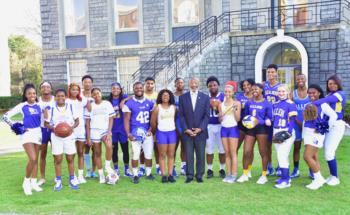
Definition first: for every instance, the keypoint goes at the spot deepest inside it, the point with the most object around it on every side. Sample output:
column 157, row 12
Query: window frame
column 68, row 68
column 118, row 59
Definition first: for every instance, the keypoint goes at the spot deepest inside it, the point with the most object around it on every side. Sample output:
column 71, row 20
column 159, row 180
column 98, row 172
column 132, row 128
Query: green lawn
column 211, row 197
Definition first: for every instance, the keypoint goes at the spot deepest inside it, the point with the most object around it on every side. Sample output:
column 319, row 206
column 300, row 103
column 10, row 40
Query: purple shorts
column 166, row 137
column 230, row 132
column 45, row 135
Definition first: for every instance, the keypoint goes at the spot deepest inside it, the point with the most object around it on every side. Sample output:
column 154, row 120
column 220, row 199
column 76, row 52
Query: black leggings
column 125, row 149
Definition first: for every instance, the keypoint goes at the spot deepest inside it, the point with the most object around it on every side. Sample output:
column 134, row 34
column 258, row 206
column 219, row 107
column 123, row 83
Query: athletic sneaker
column 127, row 173
column 94, row 175
column 282, row 183
column 164, row 179
column 116, row 170
column 150, row 177
column 262, row 180
column 158, row 171
column 222, row 173
column 316, row 183
column 81, row 179
column 58, row 185
column 171, row 179
column 174, row 172
column 226, row 179
column 270, row 171
column 278, row 172
column 41, row 181
column 27, row 188
column 249, row 174
column 102, row 179
column 135, row 180
column 35, row 186
column 88, row 174
column 243, row 178
column 183, row 170
column 333, row 181
column 210, row 173
column 295, row 173
column 73, row 184
column 142, row 172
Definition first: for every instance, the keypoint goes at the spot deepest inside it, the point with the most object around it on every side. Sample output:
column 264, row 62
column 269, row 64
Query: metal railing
column 166, row 64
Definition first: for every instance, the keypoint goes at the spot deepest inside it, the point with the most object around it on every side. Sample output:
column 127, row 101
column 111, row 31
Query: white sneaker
column 243, row 179
column 226, row 179
column 27, row 188
column 250, row 174
column 262, row 180
column 231, row 180
column 316, row 184
column 333, row 181
column 35, row 186
column 282, row 184
column 102, row 179
column 81, row 179
column 41, row 182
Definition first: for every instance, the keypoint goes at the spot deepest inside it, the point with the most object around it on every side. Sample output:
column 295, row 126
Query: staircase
column 170, row 62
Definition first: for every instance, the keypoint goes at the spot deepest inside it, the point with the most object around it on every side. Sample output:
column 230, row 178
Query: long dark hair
column 249, row 80
column 337, row 81
column 27, row 87
column 160, row 94
column 120, row 98
column 318, row 88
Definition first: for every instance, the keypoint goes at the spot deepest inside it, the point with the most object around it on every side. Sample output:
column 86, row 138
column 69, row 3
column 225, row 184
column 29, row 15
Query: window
column 126, row 15
column 126, row 66
column 185, row 12
column 75, row 17
column 76, row 69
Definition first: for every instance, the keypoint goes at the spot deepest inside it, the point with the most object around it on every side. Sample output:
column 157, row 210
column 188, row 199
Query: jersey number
column 282, row 123
column 254, row 112
column 143, row 117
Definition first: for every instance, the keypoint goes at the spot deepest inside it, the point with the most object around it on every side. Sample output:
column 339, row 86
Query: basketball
column 63, row 130
column 214, row 103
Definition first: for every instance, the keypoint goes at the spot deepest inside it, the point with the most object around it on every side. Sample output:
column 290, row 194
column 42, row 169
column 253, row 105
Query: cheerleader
column 230, row 114
column 30, row 134
column 336, row 99
column 99, row 125
column 261, row 111
column 314, row 136
column 284, row 114
column 79, row 105
column 46, row 100
column 62, row 112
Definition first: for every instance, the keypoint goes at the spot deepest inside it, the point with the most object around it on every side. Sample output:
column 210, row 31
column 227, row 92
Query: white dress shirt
column 194, row 99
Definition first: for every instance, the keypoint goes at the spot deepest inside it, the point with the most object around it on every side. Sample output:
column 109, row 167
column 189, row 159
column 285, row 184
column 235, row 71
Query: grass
column 152, row 197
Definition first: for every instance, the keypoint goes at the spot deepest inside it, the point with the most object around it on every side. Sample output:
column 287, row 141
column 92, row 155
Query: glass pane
column 126, row 67
column 185, row 12
column 74, row 17
column 77, row 69
column 126, row 14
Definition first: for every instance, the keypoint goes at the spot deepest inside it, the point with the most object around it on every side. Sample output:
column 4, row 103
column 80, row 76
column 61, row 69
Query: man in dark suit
column 194, row 115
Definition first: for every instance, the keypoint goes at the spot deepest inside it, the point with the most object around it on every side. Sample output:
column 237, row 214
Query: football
column 63, row 129
column 139, row 133
column 214, row 103
column 249, row 121
column 112, row 178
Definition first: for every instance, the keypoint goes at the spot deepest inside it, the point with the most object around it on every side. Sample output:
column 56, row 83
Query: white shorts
column 79, row 133
column 214, row 139
column 312, row 138
column 63, row 145
column 33, row 135
column 96, row 135
column 147, row 147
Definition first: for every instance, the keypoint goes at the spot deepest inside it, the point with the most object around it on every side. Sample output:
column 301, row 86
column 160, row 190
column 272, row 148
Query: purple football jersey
column 271, row 92
column 140, row 113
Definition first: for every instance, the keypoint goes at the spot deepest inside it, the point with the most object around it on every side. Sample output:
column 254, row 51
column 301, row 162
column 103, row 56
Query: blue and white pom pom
column 18, row 128
column 322, row 126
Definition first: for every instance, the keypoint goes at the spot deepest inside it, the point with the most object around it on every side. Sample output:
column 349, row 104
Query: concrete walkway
column 9, row 142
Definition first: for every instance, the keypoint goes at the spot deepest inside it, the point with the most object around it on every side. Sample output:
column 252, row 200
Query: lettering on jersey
column 260, row 107
column 279, row 112
column 33, row 111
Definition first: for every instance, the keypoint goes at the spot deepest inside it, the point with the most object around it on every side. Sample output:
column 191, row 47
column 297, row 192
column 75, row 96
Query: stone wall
column 49, row 24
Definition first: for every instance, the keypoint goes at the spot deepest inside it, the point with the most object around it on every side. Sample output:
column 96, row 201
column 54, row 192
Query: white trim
column 74, row 61
column 279, row 38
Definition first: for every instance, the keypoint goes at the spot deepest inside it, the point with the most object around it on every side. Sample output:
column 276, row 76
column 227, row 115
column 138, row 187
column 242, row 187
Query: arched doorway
column 285, row 51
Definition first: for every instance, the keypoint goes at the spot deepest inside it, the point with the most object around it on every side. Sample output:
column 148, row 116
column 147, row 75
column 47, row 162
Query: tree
column 25, row 63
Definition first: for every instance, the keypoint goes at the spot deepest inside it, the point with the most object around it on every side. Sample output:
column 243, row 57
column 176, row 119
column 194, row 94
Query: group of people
column 158, row 123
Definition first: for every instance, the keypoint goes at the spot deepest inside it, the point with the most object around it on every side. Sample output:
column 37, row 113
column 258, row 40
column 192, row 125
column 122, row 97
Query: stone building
column 127, row 40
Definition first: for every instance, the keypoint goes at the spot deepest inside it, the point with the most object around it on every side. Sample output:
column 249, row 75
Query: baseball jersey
column 31, row 115
column 45, row 105
column 79, row 108
column 100, row 114
column 336, row 100
column 118, row 123
column 270, row 92
column 261, row 110
column 214, row 114
column 300, row 104
column 140, row 112
column 62, row 114
column 284, row 113
column 324, row 112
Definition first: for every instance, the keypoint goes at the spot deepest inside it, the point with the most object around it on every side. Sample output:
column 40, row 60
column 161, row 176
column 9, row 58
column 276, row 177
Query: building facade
column 127, row 40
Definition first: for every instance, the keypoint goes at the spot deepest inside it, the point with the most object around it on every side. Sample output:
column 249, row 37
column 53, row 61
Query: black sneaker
column 164, row 179
column 135, row 180
column 171, row 179
column 150, row 177
column 210, row 173
column 222, row 173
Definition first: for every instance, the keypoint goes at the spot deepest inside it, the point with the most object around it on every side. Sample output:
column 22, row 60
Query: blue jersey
column 140, row 113
column 270, row 92
column 214, row 114
column 300, row 104
column 284, row 113
column 242, row 99
column 337, row 101
column 118, row 122
column 31, row 114
column 260, row 110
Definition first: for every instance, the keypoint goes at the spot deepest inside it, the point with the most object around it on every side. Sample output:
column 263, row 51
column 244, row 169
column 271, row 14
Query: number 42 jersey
column 140, row 112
